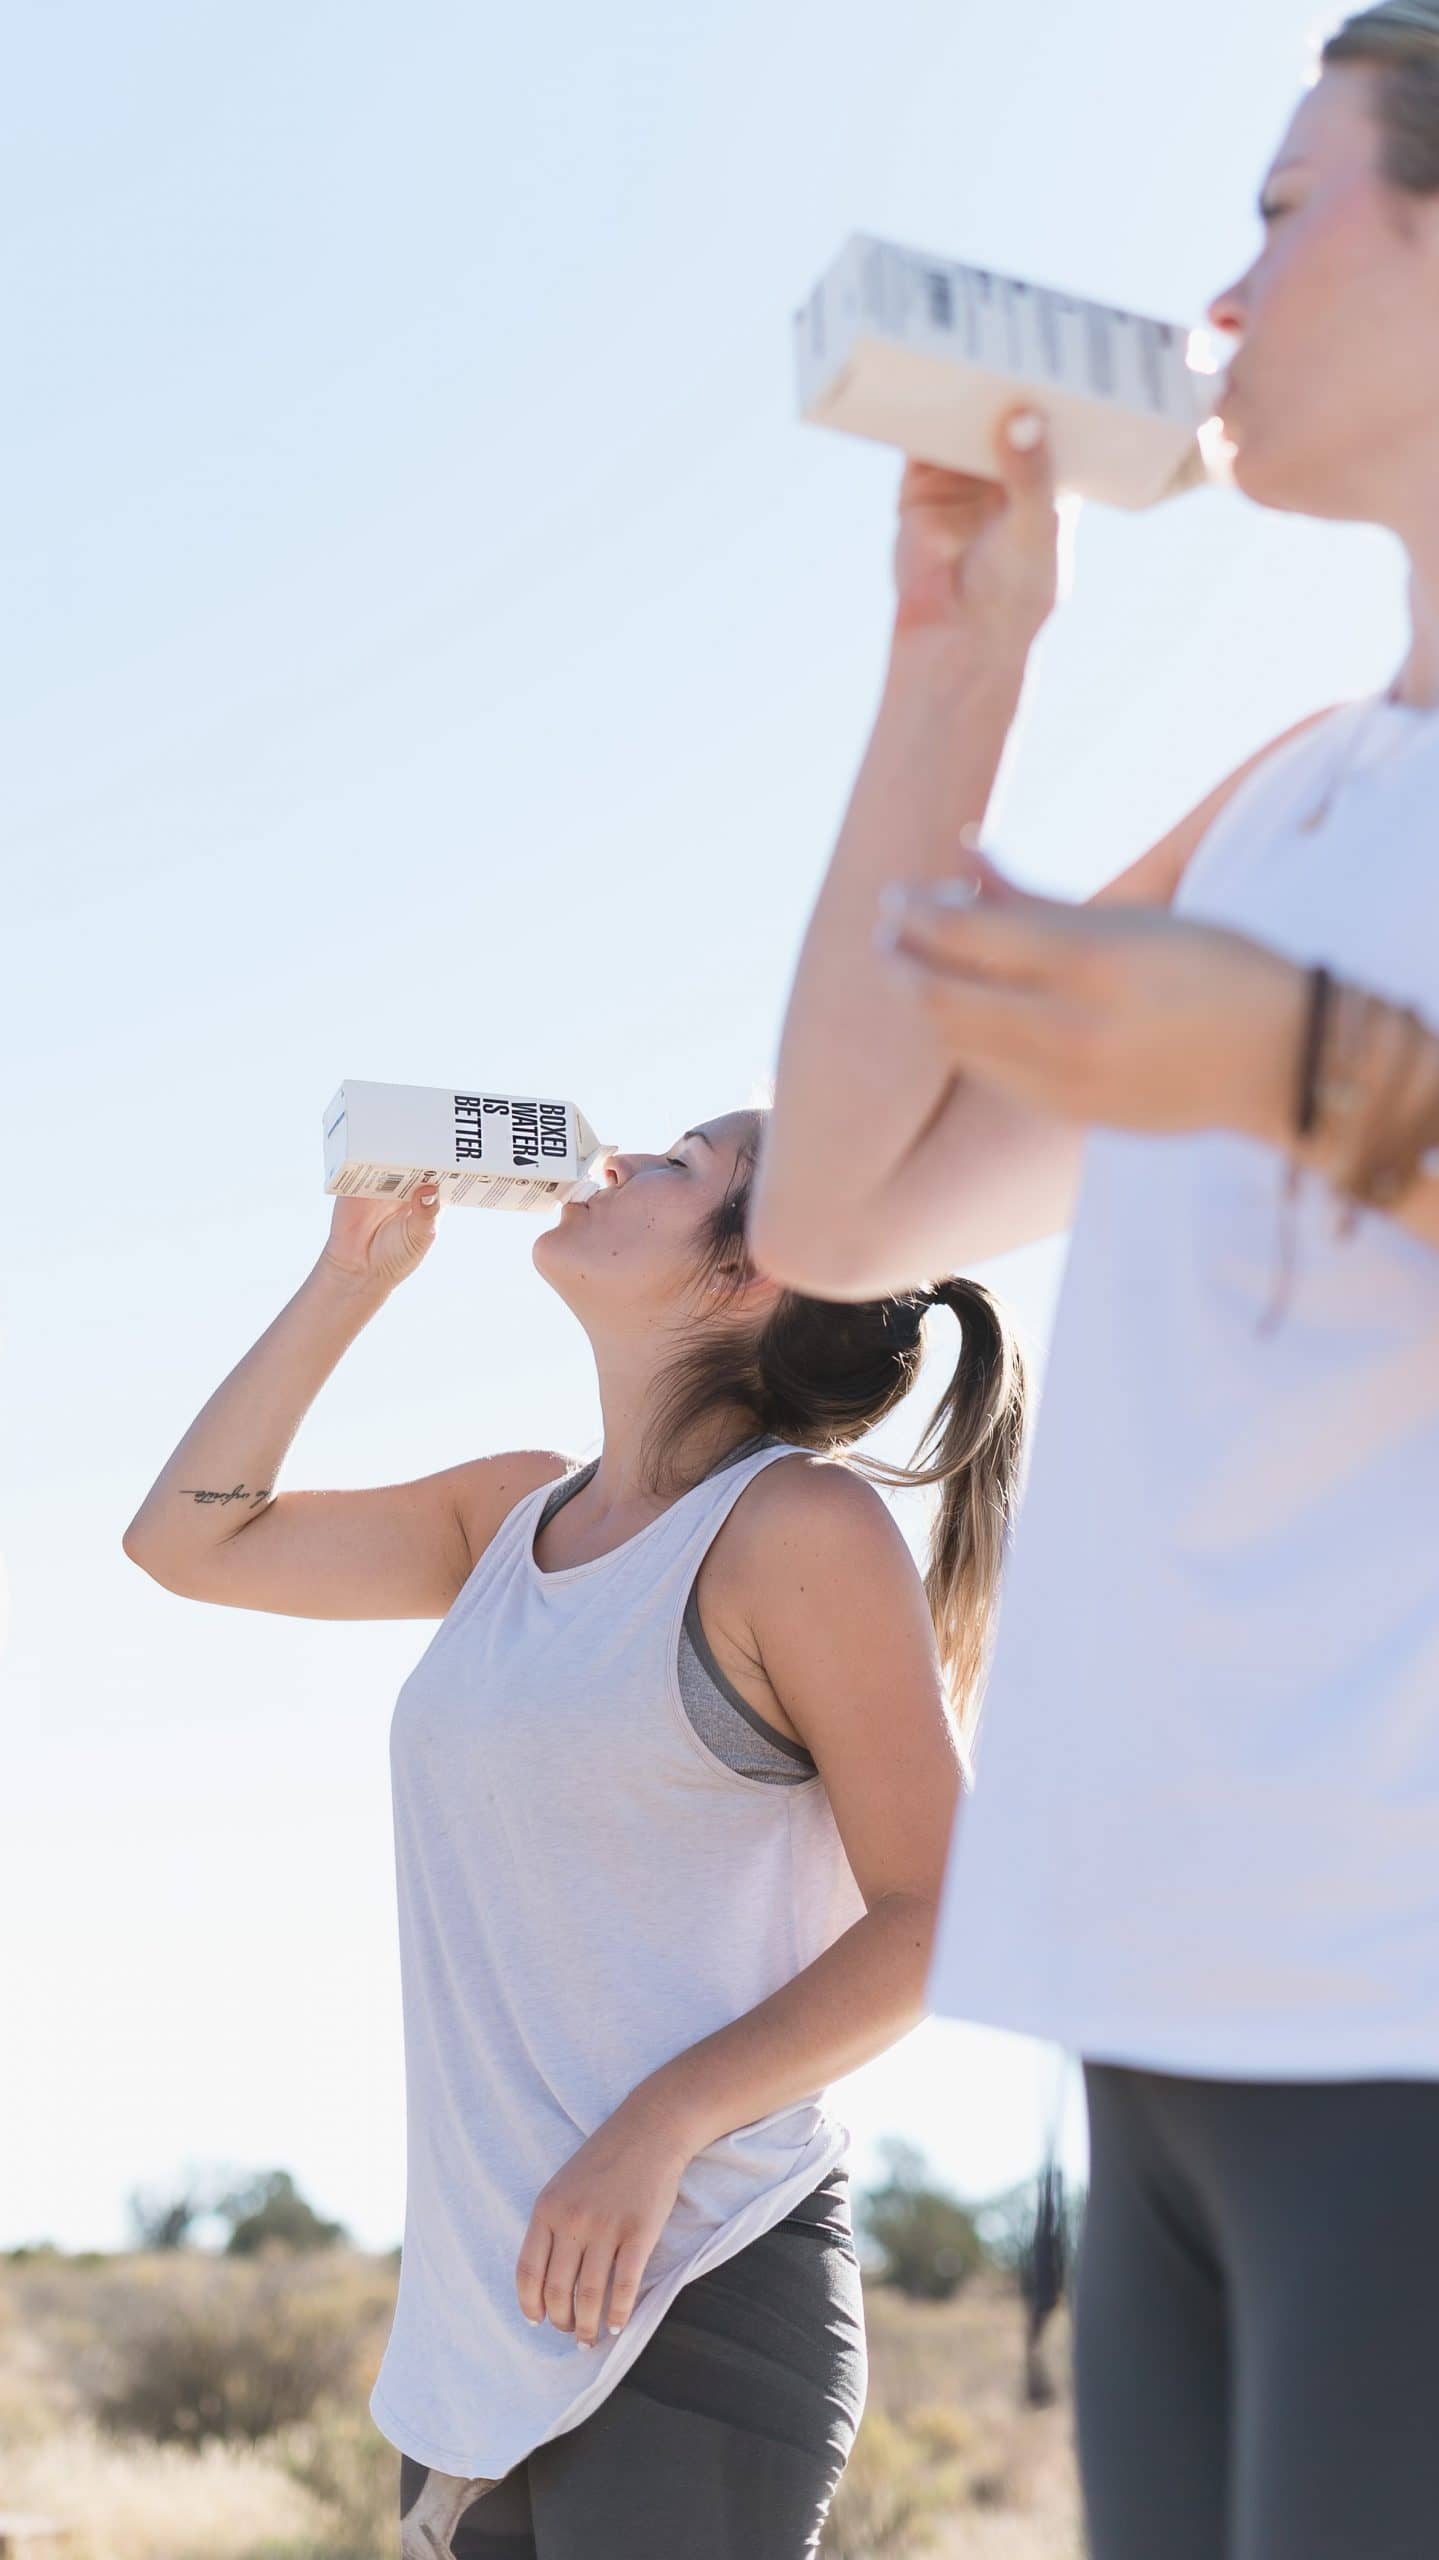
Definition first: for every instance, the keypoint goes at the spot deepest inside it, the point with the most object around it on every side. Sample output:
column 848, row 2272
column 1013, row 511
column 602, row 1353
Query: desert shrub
column 26, row 2403
column 928, row 2242
column 889, row 2499
column 340, row 2458
column 188, row 2349
column 164, row 2218
column 272, row 2209
column 946, row 2434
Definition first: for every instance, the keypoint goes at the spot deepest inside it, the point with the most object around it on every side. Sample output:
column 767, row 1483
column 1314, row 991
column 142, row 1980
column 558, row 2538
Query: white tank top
column 1205, row 1832
column 585, row 1891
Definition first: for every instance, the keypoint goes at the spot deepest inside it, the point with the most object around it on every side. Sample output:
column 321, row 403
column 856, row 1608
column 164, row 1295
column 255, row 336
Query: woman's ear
column 757, row 1296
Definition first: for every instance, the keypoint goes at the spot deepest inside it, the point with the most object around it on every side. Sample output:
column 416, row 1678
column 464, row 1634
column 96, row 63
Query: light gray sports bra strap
column 725, row 1722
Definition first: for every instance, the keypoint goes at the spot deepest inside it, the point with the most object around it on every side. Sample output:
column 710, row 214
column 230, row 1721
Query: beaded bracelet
column 1366, row 1112
column 1368, row 1107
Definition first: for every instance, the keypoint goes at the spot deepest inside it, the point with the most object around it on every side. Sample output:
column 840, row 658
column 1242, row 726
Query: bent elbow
column 134, row 1547
column 814, row 1259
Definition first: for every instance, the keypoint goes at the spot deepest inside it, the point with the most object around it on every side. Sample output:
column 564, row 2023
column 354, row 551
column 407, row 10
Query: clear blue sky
column 435, row 653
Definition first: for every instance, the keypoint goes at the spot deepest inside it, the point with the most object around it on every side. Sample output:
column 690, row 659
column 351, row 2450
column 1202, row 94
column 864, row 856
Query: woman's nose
column 1227, row 314
column 617, row 1169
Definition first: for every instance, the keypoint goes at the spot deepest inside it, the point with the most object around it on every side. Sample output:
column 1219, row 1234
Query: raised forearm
column 854, row 2001
column 222, row 1474
column 862, row 1077
column 1127, row 1017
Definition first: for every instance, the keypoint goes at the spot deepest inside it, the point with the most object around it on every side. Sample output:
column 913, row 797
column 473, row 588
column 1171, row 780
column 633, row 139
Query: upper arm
column 986, row 1174
column 838, row 1617
column 392, row 1551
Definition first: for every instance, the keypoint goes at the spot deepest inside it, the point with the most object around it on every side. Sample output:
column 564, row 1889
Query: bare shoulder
column 822, row 1597
column 1154, row 879
column 813, row 1513
column 486, row 1490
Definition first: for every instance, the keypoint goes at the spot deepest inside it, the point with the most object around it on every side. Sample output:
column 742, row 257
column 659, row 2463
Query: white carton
column 482, row 1149
column 926, row 354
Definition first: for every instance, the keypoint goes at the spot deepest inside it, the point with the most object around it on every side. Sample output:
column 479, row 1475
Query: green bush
column 928, row 2241
column 272, row 2209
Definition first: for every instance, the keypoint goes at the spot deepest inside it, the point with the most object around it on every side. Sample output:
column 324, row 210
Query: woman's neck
column 1417, row 684
column 634, row 1453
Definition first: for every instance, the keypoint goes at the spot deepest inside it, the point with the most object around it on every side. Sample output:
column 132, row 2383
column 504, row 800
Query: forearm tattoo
column 237, row 1493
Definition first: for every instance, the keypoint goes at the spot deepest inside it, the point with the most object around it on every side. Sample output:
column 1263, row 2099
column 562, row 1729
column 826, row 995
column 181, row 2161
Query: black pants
column 727, row 2436
column 1258, row 2319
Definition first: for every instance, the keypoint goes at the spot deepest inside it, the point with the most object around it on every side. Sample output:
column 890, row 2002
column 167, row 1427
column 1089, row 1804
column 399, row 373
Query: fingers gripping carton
column 481, row 1149
column 928, row 355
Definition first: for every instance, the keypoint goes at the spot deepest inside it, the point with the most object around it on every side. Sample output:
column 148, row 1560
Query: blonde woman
column 1204, row 1845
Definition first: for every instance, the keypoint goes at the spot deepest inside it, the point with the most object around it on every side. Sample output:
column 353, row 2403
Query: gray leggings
column 1258, row 2319
column 728, row 2434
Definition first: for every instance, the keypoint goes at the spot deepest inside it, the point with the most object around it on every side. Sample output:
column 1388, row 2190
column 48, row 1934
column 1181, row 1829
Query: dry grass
column 191, row 2408
column 128, row 2500
column 949, row 2462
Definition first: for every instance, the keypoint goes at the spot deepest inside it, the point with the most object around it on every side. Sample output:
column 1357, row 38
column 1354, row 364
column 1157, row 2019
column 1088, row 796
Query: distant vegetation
column 261, row 2209
column 181, row 2398
column 928, row 2243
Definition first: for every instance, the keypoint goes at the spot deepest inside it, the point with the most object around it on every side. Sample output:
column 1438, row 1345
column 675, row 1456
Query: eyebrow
column 697, row 1133
column 1297, row 162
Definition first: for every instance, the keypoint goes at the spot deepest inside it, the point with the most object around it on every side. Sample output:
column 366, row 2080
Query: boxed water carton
column 480, row 1149
column 928, row 355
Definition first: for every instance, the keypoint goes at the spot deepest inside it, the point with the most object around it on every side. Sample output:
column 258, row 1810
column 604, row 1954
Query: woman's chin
column 1248, row 472
column 553, row 1257
column 1288, row 482
column 573, row 1215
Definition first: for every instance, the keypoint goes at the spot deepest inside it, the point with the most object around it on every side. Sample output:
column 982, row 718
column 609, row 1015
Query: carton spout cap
column 587, row 1146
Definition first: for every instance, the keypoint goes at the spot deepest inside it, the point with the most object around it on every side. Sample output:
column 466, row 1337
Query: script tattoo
column 237, row 1493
